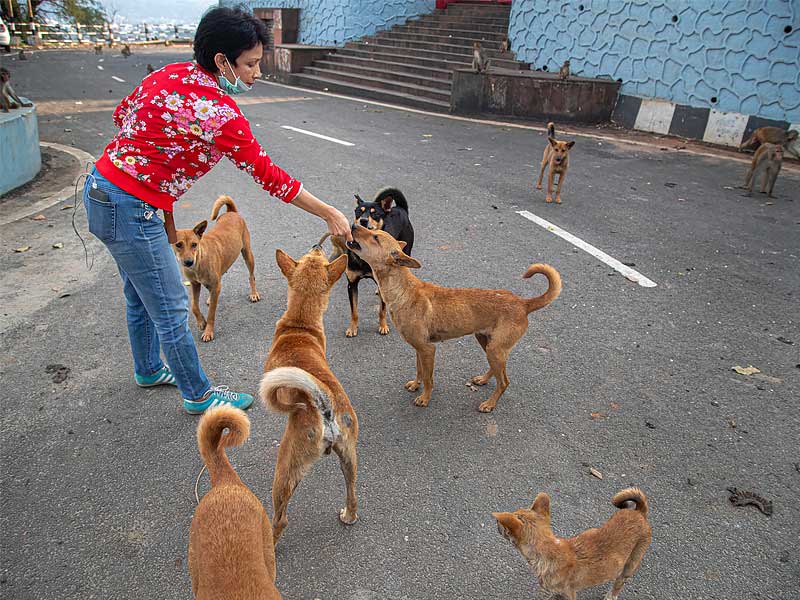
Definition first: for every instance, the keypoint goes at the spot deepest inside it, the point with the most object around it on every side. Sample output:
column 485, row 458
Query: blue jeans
column 157, row 306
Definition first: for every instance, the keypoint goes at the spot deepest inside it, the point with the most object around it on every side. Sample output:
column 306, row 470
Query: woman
column 173, row 129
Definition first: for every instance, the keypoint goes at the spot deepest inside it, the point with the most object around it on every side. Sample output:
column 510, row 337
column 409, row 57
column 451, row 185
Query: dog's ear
column 570, row 144
column 286, row 263
column 386, row 203
column 402, row 244
column 510, row 523
column 552, row 142
column 336, row 268
column 401, row 259
column 200, row 228
column 541, row 506
column 359, row 201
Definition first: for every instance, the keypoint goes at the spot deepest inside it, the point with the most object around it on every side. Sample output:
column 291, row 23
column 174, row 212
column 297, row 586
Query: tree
column 86, row 12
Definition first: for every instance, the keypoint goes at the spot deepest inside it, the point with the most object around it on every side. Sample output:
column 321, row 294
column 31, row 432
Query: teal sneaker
column 161, row 377
column 219, row 395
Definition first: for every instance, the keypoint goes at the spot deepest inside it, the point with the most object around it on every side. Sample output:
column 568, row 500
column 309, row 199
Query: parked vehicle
column 5, row 37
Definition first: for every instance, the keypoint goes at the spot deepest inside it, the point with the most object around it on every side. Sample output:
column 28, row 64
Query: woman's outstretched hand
column 338, row 224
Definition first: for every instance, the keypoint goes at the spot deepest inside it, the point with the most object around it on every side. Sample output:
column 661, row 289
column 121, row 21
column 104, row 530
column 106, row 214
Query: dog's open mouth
column 354, row 245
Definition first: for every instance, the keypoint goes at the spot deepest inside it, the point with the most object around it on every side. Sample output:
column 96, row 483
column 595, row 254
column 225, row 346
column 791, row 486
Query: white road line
column 115, row 78
column 612, row 262
column 317, row 135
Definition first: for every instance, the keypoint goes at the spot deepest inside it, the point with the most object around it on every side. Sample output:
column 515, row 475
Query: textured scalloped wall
column 333, row 22
column 733, row 50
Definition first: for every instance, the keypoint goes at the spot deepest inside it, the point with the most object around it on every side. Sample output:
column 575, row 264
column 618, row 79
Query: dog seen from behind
column 565, row 566
column 297, row 381
column 205, row 256
column 231, row 552
column 556, row 159
column 425, row 313
column 767, row 160
column 387, row 212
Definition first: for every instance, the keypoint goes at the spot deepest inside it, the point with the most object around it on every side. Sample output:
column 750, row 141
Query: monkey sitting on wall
column 563, row 72
column 768, row 158
column 505, row 46
column 480, row 63
column 772, row 135
column 8, row 97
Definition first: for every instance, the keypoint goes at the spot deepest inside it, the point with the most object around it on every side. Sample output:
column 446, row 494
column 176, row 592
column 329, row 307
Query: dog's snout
column 364, row 222
column 188, row 262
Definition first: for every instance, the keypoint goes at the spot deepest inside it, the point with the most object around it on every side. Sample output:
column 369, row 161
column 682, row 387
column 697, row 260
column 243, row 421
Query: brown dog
column 297, row 381
column 206, row 257
column 567, row 565
column 425, row 313
column 231, row 553
column 556, row 157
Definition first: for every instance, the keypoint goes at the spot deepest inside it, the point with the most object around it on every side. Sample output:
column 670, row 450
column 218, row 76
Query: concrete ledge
column 533, row 94
column 20, row 157
column 293, row 58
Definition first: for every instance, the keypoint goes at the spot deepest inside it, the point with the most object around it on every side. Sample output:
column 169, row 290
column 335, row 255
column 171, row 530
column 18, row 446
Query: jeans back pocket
column 101, row 215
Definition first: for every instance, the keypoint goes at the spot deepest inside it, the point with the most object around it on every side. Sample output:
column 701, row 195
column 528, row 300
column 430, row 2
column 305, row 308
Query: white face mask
column 238, row 87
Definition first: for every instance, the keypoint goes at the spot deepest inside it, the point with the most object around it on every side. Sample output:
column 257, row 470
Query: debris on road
column 58, row 245
column 596, row 415
column 22, row 249
column 744, row 498
column 596, row 473
column 749, row 370
column 780, row 338
column 60, row 372
column 471, row 386
column 649, row 425
column 67, row 206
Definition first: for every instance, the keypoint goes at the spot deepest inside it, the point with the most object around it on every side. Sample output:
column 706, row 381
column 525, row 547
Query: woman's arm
column 337, row 222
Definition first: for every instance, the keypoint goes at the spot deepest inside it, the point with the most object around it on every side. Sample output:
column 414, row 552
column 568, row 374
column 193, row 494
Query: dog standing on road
column 567, row 565
column 387, row 212
column 425, row 313
column 206, row 256
column 231, row 553
column 298, row 381
column 556, row 157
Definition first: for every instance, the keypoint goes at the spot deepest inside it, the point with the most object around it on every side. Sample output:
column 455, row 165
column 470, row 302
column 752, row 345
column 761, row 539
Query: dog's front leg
column 383, row 326
column 550, row 176
column 541, row 173
column 348, row 460
column 352, row 294
column 201, row 320
column 208, row 332
column 425, row 361
column 558, row 189
column 413, row 385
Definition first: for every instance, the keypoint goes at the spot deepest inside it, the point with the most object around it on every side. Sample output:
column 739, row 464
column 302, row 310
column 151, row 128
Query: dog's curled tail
column 633, row 494
column 393, row 193
column 551, row 130
column 220, row 202
column 553, row 286
column 212, row 442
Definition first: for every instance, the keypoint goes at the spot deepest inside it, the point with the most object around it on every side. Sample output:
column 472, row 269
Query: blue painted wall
column 733, row 50
column 333, row 22
column 20, row 156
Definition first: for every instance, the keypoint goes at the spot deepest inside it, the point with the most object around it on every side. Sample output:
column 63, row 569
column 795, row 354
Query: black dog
column 378, row 214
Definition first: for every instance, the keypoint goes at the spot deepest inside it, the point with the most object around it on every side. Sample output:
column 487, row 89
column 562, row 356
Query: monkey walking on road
column 480, row 63
column 767, row 159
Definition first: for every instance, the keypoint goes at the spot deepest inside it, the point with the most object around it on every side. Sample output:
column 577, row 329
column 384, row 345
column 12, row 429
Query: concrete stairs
column 412, row 64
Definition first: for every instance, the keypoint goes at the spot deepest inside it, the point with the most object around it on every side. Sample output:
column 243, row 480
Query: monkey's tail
column 222, row 201
column 633, row 494
column 551, row 129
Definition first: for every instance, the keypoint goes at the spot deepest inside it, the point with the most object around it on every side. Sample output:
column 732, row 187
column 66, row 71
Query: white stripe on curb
column 317, row 135
column 612, row 262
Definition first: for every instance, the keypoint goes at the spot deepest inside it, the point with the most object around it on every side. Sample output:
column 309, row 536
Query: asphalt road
column 97, row 476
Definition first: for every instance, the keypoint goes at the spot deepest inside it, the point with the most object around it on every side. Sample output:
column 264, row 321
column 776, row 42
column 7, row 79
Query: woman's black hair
column 227, row 30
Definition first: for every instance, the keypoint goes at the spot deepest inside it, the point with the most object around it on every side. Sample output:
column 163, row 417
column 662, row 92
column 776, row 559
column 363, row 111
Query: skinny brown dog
column 297, row 381
column 425, row 313
column 206, row 256
column 231, row 553
column 567, row 565
column 556, row 157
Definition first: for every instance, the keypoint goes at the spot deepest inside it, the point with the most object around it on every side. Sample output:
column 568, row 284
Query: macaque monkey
column 21, row 54
column 768, row 159
column 150, row 68
column 479, row 61
column 563, row 72
column 126, row 51
column 8, row 97
column 505, row 46
column 98, row 48
column 772, row 135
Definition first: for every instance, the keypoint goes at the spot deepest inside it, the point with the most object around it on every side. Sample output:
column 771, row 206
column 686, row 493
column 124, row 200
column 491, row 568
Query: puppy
column 556, row 157
column 206, row 257
column 425, row 313
column 231, row 553
column 772, row 135
column 378, row 214
column 298, row 382
column 567, row 565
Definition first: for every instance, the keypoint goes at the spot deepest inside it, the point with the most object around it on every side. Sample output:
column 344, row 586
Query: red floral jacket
column 174, row 128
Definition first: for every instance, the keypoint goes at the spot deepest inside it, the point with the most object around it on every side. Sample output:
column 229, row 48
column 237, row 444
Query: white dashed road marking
column 317, row 135
column 612, row 262
column 115, row 78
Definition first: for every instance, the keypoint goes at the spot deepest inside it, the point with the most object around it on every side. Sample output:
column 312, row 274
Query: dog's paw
column 383, row 329
column 538, row 186
column 487, row 406
column 254, row 297
column 352, row 331
column 548, row 199
column 347, row 518
column 412, row 386
column 421, row 401
column 201, row 324
column 208, row 335
column 558, row 199
column 479, row 380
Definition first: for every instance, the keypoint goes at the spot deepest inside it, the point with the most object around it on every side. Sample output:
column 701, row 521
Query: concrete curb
column 55, row 198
